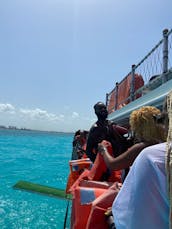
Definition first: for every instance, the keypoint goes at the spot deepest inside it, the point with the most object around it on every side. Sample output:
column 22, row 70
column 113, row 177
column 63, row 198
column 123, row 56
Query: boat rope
column 169, row 155
column 67, row 210
column 66, row 214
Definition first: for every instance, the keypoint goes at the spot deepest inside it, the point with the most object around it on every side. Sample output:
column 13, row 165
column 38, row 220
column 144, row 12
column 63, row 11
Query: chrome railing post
column 132, row 82
column 165, row 53
column 116, row 96
column 107, row 95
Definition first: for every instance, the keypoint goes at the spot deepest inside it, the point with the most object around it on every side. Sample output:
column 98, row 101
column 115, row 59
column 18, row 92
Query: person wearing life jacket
column 103, row 129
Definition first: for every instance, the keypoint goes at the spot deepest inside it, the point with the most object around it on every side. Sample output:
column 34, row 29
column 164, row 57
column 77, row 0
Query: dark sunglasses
column 160, row 119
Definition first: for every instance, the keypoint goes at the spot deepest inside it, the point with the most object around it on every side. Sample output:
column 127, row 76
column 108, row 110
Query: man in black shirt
column 101, row 130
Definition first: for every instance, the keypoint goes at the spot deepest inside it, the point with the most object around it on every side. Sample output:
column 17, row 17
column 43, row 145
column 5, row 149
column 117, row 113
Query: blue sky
column 59, row 57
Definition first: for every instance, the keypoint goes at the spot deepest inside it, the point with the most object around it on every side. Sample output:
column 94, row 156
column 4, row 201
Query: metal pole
column 116, row 96
column 107, row 99
column 165, row 52
column 132, row 85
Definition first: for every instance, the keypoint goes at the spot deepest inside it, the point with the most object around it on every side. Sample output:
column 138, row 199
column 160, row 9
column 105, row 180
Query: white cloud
column 41, row 119
column 7, row 108
column 75, row 115
column 41, row 115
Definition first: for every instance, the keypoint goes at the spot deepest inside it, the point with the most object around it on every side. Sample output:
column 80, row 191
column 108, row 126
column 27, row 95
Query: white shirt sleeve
column 142, row 202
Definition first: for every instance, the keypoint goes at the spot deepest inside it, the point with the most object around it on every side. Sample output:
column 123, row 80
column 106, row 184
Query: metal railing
column 153, row 69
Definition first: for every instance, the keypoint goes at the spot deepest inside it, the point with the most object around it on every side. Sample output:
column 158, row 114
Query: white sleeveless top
column 142, row 202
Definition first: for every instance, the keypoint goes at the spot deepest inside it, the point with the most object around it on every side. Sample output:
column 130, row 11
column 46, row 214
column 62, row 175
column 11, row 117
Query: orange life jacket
column 96, row 172
column 99, row 167
column 76, row 168
column 97, row 218
column 81, row 205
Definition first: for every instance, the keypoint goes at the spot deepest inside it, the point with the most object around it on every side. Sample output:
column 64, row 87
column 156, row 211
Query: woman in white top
column 143, row 201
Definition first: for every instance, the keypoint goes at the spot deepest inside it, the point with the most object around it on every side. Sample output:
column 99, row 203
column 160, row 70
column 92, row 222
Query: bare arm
column 123, row 161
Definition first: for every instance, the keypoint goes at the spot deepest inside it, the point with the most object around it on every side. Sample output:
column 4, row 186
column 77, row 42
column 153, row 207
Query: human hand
column 101, row 148
column 106, row 143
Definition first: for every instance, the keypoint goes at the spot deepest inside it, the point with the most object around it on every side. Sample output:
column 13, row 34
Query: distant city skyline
column 58, row 58
column 26, row 129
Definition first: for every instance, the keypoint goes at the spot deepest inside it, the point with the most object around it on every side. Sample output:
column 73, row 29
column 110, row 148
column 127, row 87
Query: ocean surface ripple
column 39, row 157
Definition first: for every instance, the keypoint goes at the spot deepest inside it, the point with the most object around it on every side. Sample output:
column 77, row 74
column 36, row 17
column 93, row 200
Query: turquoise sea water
column 37, row 157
